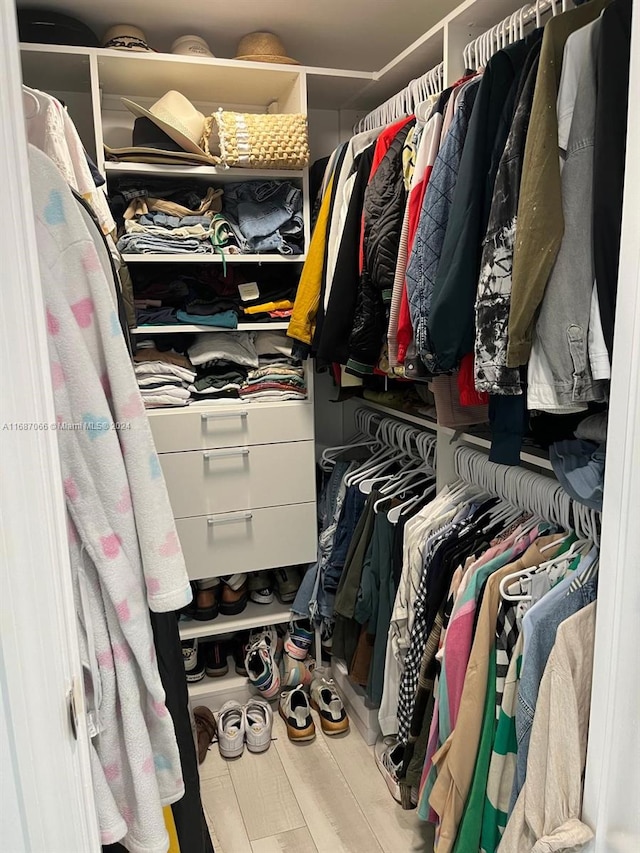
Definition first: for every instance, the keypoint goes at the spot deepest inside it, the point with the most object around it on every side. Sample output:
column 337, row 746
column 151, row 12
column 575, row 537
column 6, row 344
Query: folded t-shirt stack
column 164, row 378
column 256, row 366
column 278, row 376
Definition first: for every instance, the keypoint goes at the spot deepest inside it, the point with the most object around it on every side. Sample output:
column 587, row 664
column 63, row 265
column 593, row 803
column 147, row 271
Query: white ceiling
column 362, row 35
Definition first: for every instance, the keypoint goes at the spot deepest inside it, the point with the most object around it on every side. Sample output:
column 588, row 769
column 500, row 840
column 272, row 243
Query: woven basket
column 258, row 141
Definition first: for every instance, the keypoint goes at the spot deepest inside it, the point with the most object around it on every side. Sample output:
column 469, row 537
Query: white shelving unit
column 215, row 174
column 211, row 259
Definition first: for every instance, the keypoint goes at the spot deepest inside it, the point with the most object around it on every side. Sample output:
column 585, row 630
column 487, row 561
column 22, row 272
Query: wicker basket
column 258, row 141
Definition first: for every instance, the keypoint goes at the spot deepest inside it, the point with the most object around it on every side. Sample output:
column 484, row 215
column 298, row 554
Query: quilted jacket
column 432, row 225
column 384, row 204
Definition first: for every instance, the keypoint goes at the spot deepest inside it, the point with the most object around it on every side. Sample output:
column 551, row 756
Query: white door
column 46, row 796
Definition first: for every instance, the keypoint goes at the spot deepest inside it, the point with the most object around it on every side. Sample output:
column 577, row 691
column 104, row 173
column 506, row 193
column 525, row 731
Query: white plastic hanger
column 30, row 103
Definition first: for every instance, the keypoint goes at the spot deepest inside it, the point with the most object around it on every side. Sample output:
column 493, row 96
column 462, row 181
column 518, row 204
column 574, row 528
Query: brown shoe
column 206, row 604
column 206, row 729
column 233, row 601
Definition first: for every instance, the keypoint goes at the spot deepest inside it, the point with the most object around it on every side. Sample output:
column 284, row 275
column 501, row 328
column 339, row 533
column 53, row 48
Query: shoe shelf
column 229, row 683
column 253, row 616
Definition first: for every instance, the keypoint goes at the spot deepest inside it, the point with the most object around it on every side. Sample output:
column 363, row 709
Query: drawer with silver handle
column 235, row 478
column 233, row 425
column 248, row 540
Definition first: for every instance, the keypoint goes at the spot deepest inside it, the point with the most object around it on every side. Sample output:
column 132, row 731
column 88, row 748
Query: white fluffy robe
column 125, row 553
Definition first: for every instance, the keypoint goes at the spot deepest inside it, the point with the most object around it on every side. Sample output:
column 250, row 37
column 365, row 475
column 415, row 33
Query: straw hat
column 126, row 37
column 177, row 117
column 191, row 46
column 263, row 47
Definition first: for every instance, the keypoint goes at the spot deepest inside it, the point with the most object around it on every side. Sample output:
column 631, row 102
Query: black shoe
column 193, row 661
column 215, row 660
column 240, row 649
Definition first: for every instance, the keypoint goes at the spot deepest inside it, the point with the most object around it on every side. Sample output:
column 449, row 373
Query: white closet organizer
column 240, row 475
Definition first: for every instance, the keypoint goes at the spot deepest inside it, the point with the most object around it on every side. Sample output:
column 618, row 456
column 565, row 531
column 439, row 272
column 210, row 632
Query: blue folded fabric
column 223, row 320
column 579, row 466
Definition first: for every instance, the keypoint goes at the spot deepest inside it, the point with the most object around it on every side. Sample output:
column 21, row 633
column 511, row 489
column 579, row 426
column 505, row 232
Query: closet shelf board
column 419, row 420
column 214, row 686
column 254, row 616
column 533, row 457
column 220, row 81
column 162, row 258
column 174, row 328
column 62, row 70
column 214, row 174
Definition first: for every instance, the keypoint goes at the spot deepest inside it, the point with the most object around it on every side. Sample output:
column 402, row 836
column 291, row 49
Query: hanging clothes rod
column 534, row 493
column 478, row 52
column 412, row 441
column 404, row 103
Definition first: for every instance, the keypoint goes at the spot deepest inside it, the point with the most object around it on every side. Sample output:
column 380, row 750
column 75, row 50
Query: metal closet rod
column 478, row 52
column 534, row 493
column 404, row 102
column 394, row 433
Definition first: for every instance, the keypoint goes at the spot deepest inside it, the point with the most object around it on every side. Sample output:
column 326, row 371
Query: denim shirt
column 536, row 655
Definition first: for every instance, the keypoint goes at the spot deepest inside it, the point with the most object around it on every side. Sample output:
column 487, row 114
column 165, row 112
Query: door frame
column 47, row 793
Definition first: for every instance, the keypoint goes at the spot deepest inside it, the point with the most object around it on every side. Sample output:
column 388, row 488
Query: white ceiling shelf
column 176, row 328
column 254, row 616
column 215, row 174
column 162, row 258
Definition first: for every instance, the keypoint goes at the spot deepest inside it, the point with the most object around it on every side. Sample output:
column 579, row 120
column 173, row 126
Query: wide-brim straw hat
column 126, row 37
column 177, row 117
column 263, row 47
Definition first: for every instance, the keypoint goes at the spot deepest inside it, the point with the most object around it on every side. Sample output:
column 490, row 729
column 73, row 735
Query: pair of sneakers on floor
column 295, row 708
column 249, row 724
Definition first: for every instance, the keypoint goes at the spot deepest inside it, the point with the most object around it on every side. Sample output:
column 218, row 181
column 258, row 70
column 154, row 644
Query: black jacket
column 614, row 53
column 333, row 345
column 454, row 295
column 384, row 204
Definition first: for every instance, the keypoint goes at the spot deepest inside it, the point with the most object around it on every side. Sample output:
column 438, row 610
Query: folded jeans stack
column 265, row 216
column 164, row 234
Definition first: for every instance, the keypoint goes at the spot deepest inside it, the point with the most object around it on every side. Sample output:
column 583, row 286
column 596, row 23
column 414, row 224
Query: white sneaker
column 267, row 633
column 258, row 722
column 326, row 700
column 262, row 669
column 389, row 758
column 295, row 711
column 231, row 729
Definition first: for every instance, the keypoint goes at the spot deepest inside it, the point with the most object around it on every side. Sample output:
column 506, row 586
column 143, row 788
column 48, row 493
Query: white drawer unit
column 231, row 426
column 249, row 540
column 202, row 482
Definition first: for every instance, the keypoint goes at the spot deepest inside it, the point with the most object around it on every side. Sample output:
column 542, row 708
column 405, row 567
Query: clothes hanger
column 395, row 513
column 580, row 546
column 30, row 103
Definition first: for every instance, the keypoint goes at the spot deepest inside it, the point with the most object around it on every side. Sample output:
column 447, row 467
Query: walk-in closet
column 319, row 428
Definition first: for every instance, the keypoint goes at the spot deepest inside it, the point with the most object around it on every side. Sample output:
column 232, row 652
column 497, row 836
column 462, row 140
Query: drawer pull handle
column 220, row 454
column 230, row 518
column 220, row 416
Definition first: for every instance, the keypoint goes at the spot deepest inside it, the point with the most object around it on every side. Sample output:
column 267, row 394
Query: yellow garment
column 303, row 320
column 169, row 822
column 281, row 305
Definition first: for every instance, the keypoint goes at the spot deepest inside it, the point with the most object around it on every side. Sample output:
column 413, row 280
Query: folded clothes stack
column 265, row 216
column 252, row 217
column 160, row 233
column 164, row 378
column 278, row 376
column 256, row 366
column 211, row 296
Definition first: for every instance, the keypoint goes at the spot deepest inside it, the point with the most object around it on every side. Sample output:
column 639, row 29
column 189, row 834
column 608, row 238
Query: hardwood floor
column 326, row 796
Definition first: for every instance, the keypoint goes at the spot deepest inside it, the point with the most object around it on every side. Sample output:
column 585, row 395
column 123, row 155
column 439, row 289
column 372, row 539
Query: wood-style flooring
column 326, row 796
